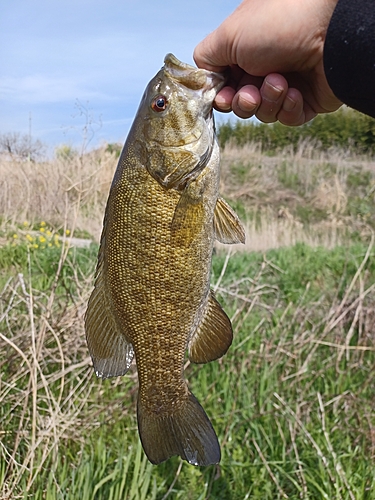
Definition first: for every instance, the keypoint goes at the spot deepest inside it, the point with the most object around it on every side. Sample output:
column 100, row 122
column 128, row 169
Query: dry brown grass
column 267, row 231
column 70, row 191
column 300, row 196
column 311, row 167
column 41, row 346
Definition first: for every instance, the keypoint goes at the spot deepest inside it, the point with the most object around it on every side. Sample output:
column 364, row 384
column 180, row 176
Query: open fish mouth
column 191, row 77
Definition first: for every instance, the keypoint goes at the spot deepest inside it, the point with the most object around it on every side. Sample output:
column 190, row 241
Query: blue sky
column 59, row 58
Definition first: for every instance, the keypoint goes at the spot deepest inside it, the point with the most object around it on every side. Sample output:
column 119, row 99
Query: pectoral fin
column 110, row 352
column 227, row 225
column 213, row 336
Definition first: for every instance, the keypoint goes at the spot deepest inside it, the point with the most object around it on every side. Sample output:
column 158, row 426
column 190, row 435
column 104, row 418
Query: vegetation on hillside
column 346, row 129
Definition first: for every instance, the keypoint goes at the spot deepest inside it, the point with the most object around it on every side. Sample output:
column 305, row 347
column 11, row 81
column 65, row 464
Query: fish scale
column 152, row 293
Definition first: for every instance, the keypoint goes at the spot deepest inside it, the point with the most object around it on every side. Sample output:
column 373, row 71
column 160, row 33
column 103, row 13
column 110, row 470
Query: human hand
column 274, row 51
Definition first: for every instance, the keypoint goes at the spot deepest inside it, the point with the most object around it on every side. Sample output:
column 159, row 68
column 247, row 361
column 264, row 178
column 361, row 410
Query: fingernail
column 246, row 103
column 270, row 92
column 288, row 104
column 222, row 103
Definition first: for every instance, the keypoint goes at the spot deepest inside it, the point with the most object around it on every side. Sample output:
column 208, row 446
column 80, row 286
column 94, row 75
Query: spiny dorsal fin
column 110, row 352
column 213, row 336
column 227, row 225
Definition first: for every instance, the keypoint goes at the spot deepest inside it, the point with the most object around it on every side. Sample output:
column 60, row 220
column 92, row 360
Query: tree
column 21, row 146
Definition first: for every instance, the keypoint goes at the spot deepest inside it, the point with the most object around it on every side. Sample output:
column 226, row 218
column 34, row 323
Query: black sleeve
column 349, row 54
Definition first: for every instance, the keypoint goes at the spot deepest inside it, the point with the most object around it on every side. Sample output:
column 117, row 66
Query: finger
column 246, row 101
column 292, row 112
column 272, row 92
column 246, row 86
column 223, row 100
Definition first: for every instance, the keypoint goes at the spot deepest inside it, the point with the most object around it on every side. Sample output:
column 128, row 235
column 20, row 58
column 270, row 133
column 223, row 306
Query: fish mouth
column 191, row 77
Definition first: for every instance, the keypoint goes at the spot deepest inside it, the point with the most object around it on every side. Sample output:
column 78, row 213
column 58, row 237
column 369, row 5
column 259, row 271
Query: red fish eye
column 159, row 103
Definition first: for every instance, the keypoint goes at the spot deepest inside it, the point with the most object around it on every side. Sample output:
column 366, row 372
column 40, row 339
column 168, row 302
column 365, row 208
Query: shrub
column 345, row 128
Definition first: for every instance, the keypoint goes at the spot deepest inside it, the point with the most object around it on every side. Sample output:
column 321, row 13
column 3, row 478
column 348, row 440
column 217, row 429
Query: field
column 293, row 400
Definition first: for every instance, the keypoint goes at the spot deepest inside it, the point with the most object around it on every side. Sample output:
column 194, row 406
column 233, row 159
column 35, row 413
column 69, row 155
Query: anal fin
column 213, row 336
column 228, row 227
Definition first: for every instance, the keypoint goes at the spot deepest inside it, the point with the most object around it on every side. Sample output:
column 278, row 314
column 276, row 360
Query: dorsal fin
column 213, row 336
column 228, row 227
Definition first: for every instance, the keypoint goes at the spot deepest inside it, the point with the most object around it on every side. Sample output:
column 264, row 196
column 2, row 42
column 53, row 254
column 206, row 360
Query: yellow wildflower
column 42, row 224
column 42, row 229
column 29, row 238
column 15, row 236
column 42, row 239
column 67, row 232
column 25, row 223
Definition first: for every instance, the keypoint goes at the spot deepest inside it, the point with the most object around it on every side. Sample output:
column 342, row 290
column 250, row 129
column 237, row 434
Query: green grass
column 292, row 401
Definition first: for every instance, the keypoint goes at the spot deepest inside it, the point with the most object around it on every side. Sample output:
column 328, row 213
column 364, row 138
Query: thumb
column 211, row 52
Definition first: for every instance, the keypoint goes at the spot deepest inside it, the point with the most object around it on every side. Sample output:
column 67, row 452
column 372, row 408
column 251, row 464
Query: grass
column 66, row 191
column 319, row 197
column 292, row 401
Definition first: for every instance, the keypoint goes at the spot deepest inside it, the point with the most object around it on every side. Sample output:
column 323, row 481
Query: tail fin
column 188, row 433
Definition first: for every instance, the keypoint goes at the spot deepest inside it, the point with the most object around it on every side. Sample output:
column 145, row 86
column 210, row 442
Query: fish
column 152, row 296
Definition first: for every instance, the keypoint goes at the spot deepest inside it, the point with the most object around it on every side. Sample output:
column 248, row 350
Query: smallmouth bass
column 152, row 294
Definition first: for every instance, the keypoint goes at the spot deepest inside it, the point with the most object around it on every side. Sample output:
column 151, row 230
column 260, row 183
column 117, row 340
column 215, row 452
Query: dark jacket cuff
column 349, row 54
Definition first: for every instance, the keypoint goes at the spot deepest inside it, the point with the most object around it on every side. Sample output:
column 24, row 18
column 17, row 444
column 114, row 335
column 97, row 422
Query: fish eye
column 159, row 103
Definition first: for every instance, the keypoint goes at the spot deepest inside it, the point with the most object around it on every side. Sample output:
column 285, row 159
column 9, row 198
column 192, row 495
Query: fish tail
column 188, row 433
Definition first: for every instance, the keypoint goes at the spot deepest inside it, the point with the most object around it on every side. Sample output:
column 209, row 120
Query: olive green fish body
column 152, row 294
